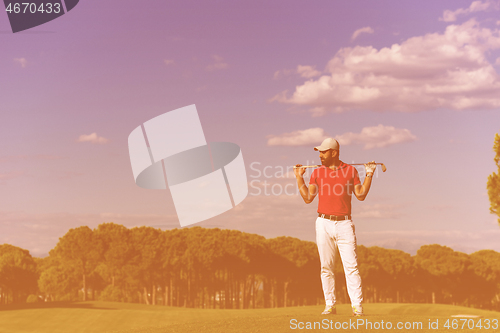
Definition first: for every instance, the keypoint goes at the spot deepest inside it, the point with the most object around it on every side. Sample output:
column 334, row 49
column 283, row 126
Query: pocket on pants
column 346, row 231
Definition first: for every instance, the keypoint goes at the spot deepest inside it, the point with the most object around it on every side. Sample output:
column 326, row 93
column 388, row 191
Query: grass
column 110, row 317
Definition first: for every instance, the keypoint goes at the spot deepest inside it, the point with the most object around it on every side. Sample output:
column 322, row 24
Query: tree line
column 228, row 269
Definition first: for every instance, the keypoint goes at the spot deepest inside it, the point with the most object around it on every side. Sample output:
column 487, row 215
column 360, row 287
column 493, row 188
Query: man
column 335, row 182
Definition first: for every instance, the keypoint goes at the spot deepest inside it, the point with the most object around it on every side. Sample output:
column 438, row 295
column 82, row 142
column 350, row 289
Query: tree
column 398, row 267
column 59, row 282
column 449, row 270
column 17, row 272
column 484, row 290
column 79, row 249
column 175, row 245
column 147, row 244
column 290, row 256
column 372, row 275
column 493, row 184
column 116, row 252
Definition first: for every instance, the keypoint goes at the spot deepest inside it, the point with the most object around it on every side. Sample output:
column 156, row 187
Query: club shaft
column 365, row 163
column 317, row 166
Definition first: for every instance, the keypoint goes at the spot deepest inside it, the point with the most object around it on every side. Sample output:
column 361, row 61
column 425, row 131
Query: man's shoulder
column 316, row 171
column 348, row 169
column 343, row 165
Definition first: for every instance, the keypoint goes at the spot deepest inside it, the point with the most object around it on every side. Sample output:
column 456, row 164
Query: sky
column 413, row 85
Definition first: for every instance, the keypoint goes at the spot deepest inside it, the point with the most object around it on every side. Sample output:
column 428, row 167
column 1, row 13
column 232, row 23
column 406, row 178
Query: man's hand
column 370, row 167
column 307, row 193
column 361, row 191
column 299, row 172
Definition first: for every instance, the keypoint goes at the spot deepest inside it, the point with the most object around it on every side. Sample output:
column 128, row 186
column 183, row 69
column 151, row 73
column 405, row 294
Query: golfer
column 334, row 182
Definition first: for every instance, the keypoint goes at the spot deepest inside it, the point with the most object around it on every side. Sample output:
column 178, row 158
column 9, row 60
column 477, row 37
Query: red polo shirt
column 335, row 188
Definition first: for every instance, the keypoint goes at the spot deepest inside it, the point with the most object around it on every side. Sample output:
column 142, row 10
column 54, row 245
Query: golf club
column 384, row 169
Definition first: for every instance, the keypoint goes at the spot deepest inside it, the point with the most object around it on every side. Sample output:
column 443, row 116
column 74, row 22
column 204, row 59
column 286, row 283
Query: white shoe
column 329, row 309
column 357, row 310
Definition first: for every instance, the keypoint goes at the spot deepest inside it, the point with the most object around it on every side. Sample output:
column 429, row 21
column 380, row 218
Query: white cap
column 327, row 144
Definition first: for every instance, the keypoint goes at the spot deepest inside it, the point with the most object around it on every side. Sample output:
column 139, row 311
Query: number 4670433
column 27, row 8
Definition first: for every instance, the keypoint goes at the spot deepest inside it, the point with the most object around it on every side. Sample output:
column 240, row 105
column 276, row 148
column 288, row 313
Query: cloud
column 376, row 137
column 284, row 72
column 411, row 240
column 16, row 158
column 307, row 71
column 475, row 6
column 168, row 61
column 371, row 137
column 378, row 211
column 434, row 71
column 497, row 62
column 366, row 30
column 309, row 136
column 442, row 208
column 92, row 138
column 21, row 61
column 68, row 175
column 217, row 65
column 11, row 175
column 270, row 215
column 40, row 232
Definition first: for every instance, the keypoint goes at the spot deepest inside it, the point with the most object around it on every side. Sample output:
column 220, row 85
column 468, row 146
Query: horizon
column 413, row 253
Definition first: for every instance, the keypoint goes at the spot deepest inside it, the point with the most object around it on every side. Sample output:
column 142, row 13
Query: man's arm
column 361, row 190
column 307, row 193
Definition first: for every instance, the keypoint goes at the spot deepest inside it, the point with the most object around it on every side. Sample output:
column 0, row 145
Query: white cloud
column 11, row 175
column 307, row 71
column 219, row 63
column 366, row 30
column 434, row 71
column 376, row 137
column 270, row 215
column 284, row 72
column 21, row 61
column 371, row 137
column 40, row 232
column 168, row 61
column 475, row 6
column 378, row 211
column 92, row 138
column 441, row 208
column 17, row 158
column 411, row 240
column 309, row 136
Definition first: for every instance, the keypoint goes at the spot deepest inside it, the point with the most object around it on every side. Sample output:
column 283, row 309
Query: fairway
column 138, row 318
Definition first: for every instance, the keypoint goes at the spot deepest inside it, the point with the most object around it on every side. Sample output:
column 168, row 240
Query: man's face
column 327, row 157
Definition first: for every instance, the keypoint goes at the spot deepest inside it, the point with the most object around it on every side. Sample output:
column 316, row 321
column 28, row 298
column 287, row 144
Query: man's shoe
column 329, row 309
column 357, row 311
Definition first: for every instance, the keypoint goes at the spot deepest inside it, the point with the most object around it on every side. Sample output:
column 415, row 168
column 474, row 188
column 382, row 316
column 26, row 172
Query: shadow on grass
column 53, row 305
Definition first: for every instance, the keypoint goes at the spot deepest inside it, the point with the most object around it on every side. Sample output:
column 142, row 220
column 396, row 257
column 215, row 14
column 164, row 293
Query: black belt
column 335, row 217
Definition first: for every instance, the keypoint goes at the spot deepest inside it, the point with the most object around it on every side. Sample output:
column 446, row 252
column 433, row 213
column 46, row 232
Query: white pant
column 331, row 235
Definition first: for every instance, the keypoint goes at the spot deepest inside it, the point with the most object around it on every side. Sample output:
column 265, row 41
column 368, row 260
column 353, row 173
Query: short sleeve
column 313, row 178
column 356, row 177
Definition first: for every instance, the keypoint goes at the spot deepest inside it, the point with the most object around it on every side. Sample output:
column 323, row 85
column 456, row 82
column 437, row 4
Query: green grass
column 136, row 318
